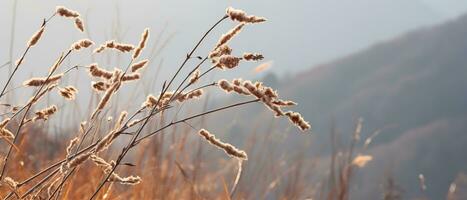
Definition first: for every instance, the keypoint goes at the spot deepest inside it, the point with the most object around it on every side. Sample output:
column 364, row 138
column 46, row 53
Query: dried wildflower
column 228, row 148
column 96, row 71
column 195, row 76
column 228, row 36
column 65, row 12
column 42, row 81
column 252, row 56
column 45, row 113
column 222, row 50
column 79, row 24
column 131, row 77
column 84, row 43
column 142, row 43
column 298, row 120
column 241, row 16
column 139, row 65
column 100, row 86
column 190, row 95
column 228, row 61
column 361, row 160
column 68, row 92
column 35, row 38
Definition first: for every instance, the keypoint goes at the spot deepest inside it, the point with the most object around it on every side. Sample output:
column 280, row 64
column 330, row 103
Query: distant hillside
column 415, row 85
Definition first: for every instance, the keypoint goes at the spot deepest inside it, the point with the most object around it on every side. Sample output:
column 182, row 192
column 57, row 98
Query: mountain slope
column 413, row 87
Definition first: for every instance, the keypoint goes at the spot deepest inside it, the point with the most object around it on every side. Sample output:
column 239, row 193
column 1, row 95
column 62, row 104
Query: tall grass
column 115, row 152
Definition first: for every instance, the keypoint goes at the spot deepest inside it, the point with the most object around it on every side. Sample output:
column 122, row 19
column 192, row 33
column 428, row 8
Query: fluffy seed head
column 69, row 92
column 131, row 77
column 142, row 43
column 45, row 113
column 241, row 16
column 65, row 12
column 41, row 81
column 84, row 43
column 228, row 62
column 222, row 50
column 139, row 65
column 79, row 24
column 98, row 72
column 228, row 148
column 228, row 36
column 298, row 120
column 35, row 38
column 100, row 86
column 195, row 76
column 252, row 57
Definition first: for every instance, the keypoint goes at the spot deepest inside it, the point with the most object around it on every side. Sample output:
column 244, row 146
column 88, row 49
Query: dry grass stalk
column 35, row 38
column 142, row 43
column 139, row 65
column 268, row 96
column 36, row 82
column 241, row 16
column 228, row 148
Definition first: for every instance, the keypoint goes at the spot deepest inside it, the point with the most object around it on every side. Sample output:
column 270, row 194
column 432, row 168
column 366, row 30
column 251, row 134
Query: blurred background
column 400, row 65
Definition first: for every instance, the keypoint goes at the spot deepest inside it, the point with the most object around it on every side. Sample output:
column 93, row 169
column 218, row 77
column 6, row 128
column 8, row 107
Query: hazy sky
column 298, row 35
